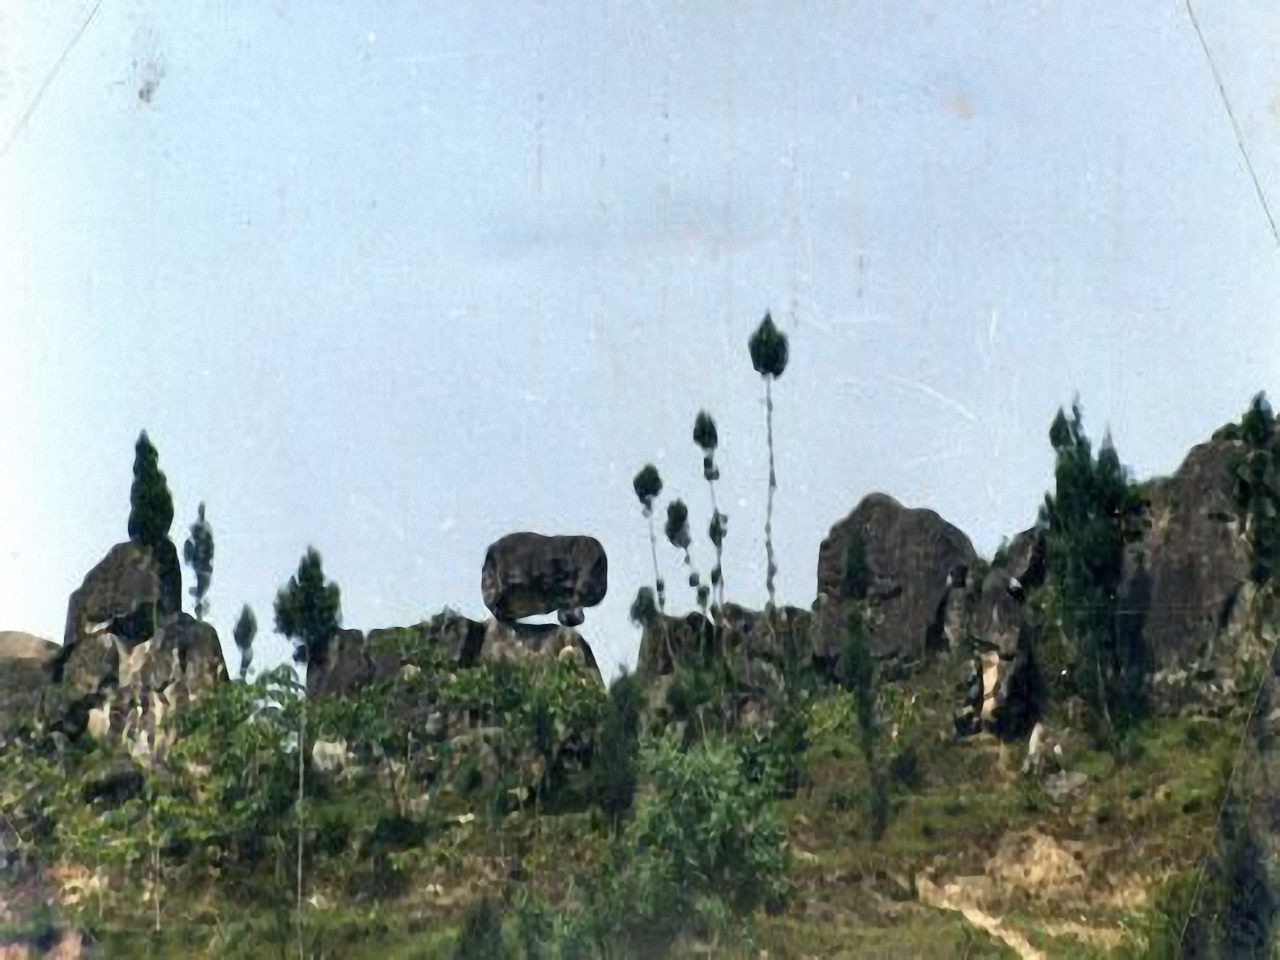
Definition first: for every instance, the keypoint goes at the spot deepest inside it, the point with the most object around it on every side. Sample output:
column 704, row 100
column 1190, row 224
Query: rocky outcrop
column 528, row 574
column 176, row 664
column 1002, row 690
column 129, row 655
column 914, row 560
column 518, row 641
column 354, row 661
column 759, row 648
column 125, row 595
column 1184, row 576
column 25, row 662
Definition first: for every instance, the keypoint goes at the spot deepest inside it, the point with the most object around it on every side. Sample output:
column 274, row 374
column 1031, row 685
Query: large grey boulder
column 914, row 560
column 129, row 655
column 528, row 574
column 126, row 594
column 1183, row 578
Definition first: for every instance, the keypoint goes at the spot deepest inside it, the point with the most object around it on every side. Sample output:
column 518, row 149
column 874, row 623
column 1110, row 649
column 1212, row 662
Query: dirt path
column 943, row 898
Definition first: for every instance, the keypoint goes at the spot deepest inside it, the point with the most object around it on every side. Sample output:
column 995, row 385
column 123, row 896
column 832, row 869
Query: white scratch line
column 927, row 390
column 360, row 503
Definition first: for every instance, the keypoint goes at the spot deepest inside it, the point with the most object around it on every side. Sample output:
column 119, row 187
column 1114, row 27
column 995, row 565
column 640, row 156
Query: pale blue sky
column 396, row 279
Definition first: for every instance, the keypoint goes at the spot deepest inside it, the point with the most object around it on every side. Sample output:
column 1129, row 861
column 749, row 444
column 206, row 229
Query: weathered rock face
column 667, row 641
column 1002, row 691
column 125, row 595
column 181, row 660
column 129, row 655
column 520, row 640
column 353, row 661
column 25, row 663
column 1184, row 576
column 914, row 558
column 527, row 574
column 758, row 651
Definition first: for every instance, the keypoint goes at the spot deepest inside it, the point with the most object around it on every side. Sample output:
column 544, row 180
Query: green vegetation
column 308, row 610
column 516, row 809
column 615, row 773
column 150, row 504
column 855, row 671
column 648, row 484
column 1256, row 487
column 198, row 554
column 706, row 437
column 1089, row 518
column 245, row 630
column 768, row 347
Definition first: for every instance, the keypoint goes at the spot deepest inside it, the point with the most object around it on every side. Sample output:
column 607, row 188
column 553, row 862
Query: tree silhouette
column 198, row 553
column 768, row 347
column 1088, row 520
column 150, row 503
column 705, row 436
column 677, row 531
column 246, row 629
column 648, row 484
column 308, row 610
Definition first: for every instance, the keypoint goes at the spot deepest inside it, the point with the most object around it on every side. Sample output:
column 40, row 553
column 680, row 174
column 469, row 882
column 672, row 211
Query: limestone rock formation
column 1002, row 690
column 758, row 649
column 528, row 574
column 353, row 661
column 517, row 641
column 129, row 655
column 1183, row 578
column 914, row 560
column 25, row 663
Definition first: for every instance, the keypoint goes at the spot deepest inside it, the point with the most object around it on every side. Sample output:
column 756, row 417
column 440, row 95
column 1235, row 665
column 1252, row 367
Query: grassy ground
column 1136, row 821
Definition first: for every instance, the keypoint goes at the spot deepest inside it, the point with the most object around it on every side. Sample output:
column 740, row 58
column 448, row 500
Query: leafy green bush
column 614, row 765
column 705, row 842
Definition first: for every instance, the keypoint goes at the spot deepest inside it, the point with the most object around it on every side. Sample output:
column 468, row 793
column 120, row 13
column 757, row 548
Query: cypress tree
column 1088, row 521
column 150, row 503
column 677, row 531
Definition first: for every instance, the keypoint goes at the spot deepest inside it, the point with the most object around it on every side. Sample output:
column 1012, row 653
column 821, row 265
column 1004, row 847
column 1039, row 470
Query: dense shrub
column 704, row 843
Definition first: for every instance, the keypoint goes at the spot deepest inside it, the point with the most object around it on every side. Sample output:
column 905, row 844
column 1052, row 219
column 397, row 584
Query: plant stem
column 719, row 584
column 773, row 485
column 302, row 746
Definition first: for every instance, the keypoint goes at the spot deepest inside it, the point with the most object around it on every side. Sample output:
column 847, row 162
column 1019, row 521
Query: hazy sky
column 395, row 279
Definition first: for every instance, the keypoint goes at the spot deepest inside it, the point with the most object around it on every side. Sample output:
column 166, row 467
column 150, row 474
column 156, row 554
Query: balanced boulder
column 528, row 574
